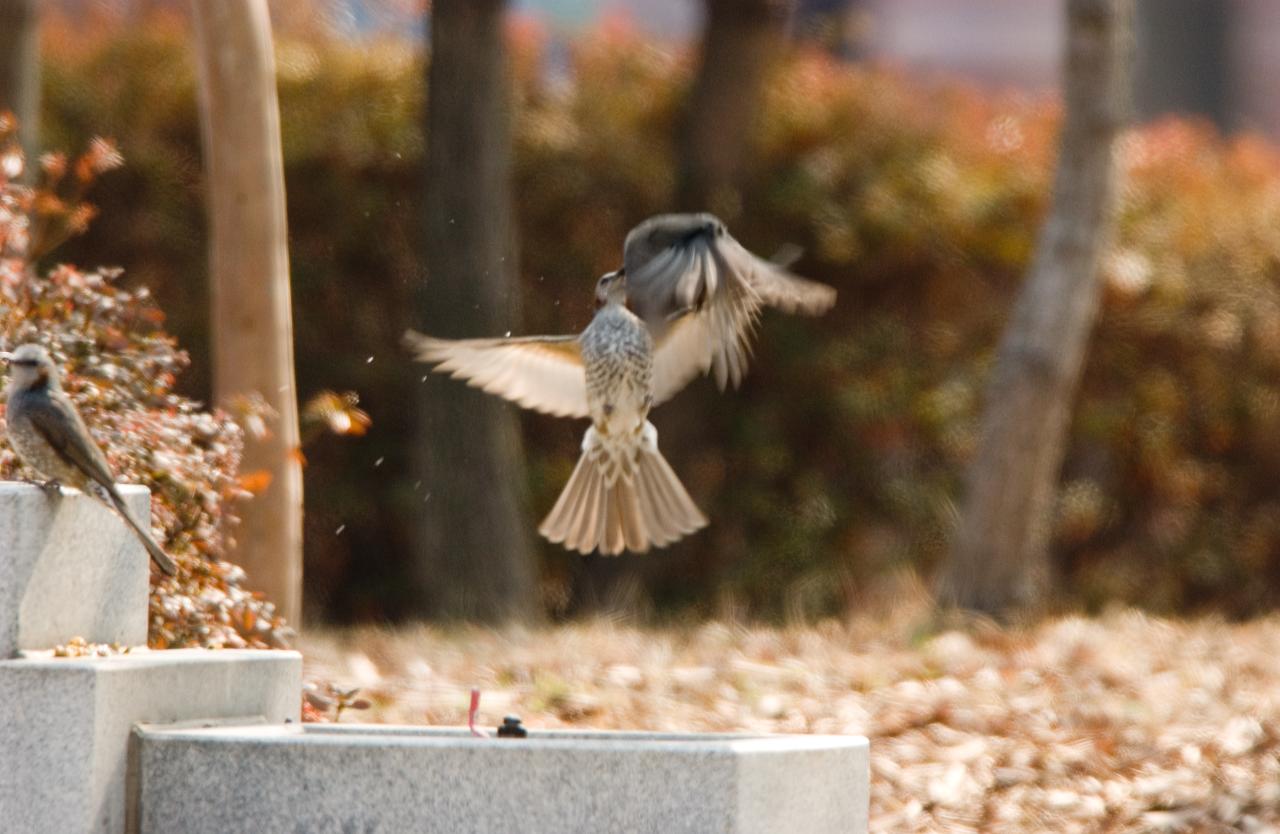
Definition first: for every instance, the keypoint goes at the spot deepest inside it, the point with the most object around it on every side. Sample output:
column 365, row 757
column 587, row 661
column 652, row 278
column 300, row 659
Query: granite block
column 69, row 567
column 66, row 723
column 355, row 779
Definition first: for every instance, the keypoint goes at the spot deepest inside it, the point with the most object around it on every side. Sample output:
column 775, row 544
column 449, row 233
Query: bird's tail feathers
column 163, row 561
column 622, row 495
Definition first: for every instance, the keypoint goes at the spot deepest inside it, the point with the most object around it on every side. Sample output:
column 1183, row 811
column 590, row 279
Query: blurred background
column 906, row 146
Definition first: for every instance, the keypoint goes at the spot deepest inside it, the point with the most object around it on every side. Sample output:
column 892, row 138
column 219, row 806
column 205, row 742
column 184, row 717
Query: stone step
column 334, row 778
column 66, row 722
column 104, row 745
column 70, row 568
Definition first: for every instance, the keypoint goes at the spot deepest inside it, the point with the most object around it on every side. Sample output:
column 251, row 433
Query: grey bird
column 695, row 286
column 50, row 437
column 622, row 495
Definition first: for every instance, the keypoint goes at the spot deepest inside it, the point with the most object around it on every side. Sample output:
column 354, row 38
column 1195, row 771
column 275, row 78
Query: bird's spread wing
column 55, row 418
column 682, row 265
column 543, row 373
column 789, row 293
column 682, row 353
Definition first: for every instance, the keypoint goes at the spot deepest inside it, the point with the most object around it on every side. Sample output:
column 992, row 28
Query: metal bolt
column 512, row 728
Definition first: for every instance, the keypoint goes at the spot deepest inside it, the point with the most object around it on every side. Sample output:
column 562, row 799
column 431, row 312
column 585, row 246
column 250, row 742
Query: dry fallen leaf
column 256, row 481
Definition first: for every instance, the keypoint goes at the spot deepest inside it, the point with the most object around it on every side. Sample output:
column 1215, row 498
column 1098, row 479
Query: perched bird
column 622, row 495
column 695, row 286
column 47, row 433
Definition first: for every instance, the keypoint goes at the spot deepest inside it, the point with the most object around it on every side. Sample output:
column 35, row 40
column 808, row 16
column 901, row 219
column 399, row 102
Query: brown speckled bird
column 47, row 433
column 622, row 495
column 695, row 286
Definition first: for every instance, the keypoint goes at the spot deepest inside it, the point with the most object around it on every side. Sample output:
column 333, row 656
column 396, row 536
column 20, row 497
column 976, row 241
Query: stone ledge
column 322, row 778
column 70, row 568
column 66, row 723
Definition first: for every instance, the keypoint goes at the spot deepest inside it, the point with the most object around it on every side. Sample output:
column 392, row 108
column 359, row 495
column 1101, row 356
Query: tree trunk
column 741, row 40
column 1184, row 62
column 249, row 279
column 476, row 558
column 20, row 70
column 999, row 558
column 838, row 26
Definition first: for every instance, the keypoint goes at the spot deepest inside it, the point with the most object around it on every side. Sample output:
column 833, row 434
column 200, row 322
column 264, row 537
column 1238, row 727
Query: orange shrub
column 120, row 368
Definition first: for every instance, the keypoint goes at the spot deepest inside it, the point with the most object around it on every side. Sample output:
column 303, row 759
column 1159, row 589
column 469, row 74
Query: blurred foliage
column 119, row 367
column 841, row 458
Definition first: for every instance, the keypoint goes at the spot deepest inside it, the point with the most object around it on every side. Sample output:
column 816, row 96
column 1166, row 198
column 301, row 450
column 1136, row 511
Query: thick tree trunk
column 20, row 69
column 1000, row 557
column 741, row 40
column 1184, row 62
column 475, row 558
column 249, row 279
column 835, row 25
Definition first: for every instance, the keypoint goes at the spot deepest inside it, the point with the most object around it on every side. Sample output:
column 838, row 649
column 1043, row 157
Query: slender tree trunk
column 741, row 41
column 249, row 279
column 20, row 69
column 999, row 559
column 476, row 558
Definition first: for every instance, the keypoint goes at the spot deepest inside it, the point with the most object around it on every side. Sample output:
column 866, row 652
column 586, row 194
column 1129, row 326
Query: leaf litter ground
column 1115, row 724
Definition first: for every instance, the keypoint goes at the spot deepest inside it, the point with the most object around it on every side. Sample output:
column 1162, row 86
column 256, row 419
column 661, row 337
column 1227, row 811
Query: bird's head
column 30, row 367
column 612, row 286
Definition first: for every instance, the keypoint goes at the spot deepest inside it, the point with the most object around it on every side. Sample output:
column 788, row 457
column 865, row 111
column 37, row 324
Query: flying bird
column 622, row 495
column 50, row 437
column 692, row 283
column 696, row 294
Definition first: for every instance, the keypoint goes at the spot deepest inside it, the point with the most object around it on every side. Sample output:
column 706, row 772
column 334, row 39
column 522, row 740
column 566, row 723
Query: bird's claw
column 52, row 488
